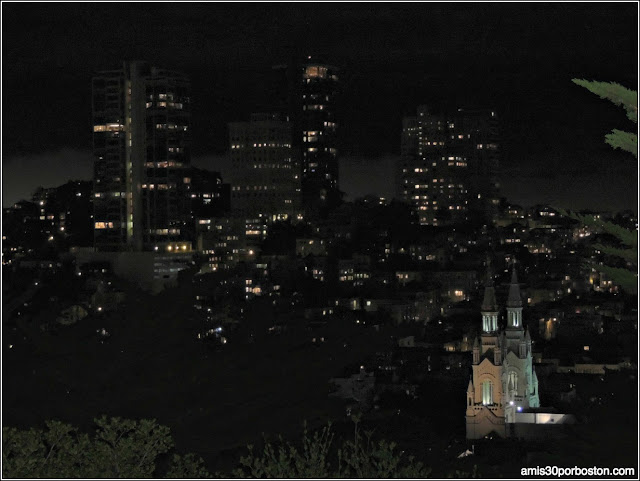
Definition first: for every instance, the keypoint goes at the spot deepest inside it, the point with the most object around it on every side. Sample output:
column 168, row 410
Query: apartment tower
column 141, row 145
column 449, row 165
column 307, row 93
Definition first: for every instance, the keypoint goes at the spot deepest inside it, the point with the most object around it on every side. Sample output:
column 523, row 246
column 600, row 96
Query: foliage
column 120, row 448
column 357, row 458
column 614, row 92
column 286, row 461
column 189, row 466
column 619, row 139
column 627, row 278
column 628, row 141
column 128, row 448
column 619, row 95
column 459, row 474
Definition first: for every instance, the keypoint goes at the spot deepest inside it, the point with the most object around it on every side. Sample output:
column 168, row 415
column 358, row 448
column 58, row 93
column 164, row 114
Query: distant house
column 310, row 246
column 456, row 285
column 580, row 327
column 359, row 387
column 596, row 367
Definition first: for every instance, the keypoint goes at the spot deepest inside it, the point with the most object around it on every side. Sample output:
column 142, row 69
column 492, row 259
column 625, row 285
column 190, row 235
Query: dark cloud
column 360, row 176
column 216, row 163
column 594, row 191
column 22, row 174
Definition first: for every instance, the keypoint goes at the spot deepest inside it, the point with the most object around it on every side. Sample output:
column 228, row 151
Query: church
column 503, row 391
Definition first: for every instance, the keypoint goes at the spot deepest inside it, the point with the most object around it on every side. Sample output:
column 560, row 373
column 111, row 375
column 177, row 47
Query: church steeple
column 514, row 302
column 489, row 305
column 514, row 299
column 497, row 352
column 505, row 382
column 476, row 351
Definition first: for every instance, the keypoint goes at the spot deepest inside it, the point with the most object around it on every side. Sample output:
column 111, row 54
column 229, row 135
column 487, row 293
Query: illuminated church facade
column 504, row 385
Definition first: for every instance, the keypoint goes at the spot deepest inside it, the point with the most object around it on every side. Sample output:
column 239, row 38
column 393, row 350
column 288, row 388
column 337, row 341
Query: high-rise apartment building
column 319, row 128
column 448, row 165
column 307, row 92
column 266, row 176
column 141, row 144
column 265, row 188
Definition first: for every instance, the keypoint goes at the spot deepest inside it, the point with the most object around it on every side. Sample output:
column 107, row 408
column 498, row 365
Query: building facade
column 141, row 144
column 504, row 383
column 266, row 177
column 307, row 93
column 449, row 165
column 320, row 176
column 210, row 197
column 265, row 188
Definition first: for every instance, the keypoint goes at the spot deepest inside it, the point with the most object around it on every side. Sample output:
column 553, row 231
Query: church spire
column 514, row 299
column 514, row 302
column 489, row 305
column 476, row 351
column 497, row 351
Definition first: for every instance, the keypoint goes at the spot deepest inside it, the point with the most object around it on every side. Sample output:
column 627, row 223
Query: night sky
column 516, row 58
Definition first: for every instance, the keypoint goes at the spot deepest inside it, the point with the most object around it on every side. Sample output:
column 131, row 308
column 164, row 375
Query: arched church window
column 513, row 381
column 487, row 392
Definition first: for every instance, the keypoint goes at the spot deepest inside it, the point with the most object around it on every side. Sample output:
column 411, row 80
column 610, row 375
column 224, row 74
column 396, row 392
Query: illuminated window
column 104, row 225
column 487, row 393
column 315, row 71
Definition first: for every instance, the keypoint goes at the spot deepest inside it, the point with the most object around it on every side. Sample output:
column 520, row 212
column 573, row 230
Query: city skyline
column 374, row 241
column 472, row 58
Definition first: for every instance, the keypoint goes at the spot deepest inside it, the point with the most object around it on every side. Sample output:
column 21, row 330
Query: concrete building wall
column 482, row 421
